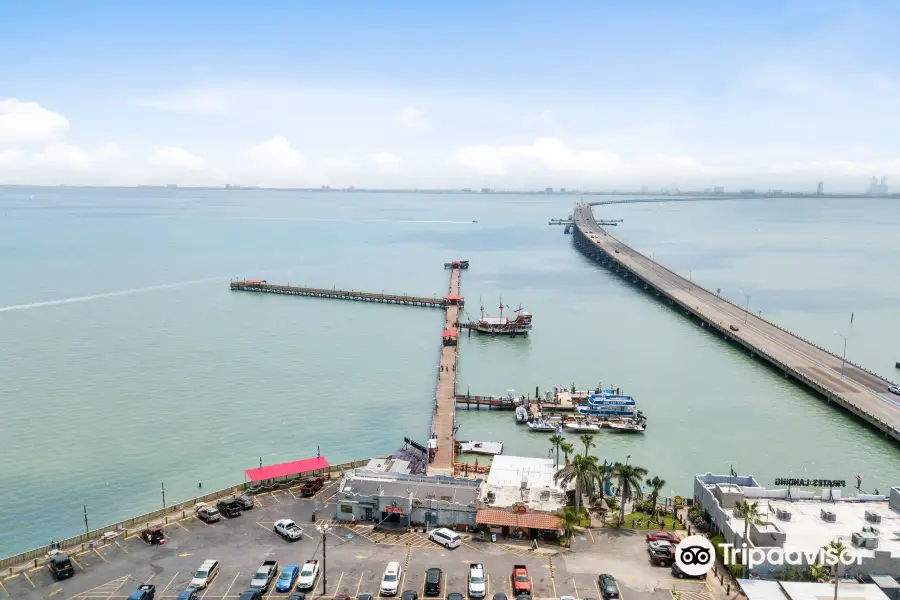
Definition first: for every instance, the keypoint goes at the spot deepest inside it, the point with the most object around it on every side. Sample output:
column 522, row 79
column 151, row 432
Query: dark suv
column 230, row 508
column 61, row 567
column 433, row 582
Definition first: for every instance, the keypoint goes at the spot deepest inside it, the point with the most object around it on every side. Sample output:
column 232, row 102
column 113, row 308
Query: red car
column 667, row 536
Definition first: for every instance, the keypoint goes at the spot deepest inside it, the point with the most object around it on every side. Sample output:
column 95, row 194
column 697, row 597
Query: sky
column 586, row 95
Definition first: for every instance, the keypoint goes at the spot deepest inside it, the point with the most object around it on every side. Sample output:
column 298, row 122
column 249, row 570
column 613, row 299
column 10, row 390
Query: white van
column 205, row 574
column 390, row 582
column 445, row 538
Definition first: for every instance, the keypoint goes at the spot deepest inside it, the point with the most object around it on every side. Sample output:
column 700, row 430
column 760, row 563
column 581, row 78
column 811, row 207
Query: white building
column 523, row 481
column 797, row 590
column 803, row 520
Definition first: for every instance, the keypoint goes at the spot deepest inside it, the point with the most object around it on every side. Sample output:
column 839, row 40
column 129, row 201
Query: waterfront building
column 799, row 519
column 761, row 589
column 520, row 497
column 397, row 500
column 719, row 189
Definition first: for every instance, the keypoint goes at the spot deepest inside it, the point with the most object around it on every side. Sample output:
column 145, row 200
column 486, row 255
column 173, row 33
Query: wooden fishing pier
column 260, row 286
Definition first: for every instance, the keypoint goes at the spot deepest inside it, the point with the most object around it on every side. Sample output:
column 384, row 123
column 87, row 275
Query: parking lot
column 356, row 558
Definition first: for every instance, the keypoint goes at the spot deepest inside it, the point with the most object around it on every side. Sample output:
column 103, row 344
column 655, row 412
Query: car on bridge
column 894, row 389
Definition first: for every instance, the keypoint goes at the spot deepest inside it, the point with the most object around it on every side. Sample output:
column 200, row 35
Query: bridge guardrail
column 828, row 392
column 761, row 318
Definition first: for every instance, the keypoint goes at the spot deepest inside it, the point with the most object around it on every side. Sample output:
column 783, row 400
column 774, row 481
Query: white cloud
column 547, row 153
column 545, row 118
column 178, row 159
column 413, row 118
column 29, row 123
column 385, row 161
column 276, row 154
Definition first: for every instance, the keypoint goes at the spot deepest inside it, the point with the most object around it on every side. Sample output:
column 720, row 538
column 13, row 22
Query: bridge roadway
column 858, row 390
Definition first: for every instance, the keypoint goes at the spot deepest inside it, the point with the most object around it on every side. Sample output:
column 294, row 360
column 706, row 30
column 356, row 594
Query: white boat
column 521, row 414
column 489, row 448
column 583, row 426
column 543, row 426
column 628, row 427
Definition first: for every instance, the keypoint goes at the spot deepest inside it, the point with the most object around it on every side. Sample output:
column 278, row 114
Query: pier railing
column 31, row 558
column 336, row 294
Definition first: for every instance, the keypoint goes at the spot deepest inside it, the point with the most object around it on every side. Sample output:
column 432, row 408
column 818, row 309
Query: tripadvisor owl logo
column 695, row 555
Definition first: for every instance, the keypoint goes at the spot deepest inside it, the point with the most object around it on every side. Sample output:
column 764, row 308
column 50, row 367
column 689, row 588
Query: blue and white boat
column 609, row 406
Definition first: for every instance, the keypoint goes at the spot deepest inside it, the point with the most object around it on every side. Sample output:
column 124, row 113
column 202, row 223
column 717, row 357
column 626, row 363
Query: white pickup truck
column 308, row 575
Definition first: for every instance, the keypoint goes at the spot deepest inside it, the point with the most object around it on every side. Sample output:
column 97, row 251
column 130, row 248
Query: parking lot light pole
column 843, row 356
column 324, row 529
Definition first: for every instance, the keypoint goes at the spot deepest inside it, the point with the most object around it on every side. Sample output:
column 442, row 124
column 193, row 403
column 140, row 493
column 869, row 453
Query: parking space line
column 359, row 585
column 32, row 570
column 169, row 584
column 97, row 552
column 574, row 585
column 552, row 582
column 29, row 579
column 599, row 595
column 337, row 588
column 3, row 587
column 591, row 535
column 618, row 589
column 72, row 558
column 225, row 595
column 120, row 546
column 276, row 497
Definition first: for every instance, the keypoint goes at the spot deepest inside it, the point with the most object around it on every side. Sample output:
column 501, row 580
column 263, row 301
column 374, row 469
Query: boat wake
column 128, row 292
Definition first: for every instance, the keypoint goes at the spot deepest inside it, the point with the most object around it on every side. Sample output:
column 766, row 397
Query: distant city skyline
column 505, row 95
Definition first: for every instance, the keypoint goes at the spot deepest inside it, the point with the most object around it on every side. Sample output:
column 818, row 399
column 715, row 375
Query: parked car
column 391, row 579
column 364, row 597
column 297, row 596
column 445, row 538
column 663, row 557
column 410, row 595
column 498, row 597
column 659, row 545
column 667, row 536
column 455, row 596
column 308, row 575
column 61, row 567
column 230, row 507
column 433, row 579
column 245, row 501
column 607, row 585
column 146, row 591
column 154, row 535
column 677, row 572
column 264, row 576
column 205, row 574
column 311, row 486
column 287, row 529
column 477, row 583
column 288, row 578
column 207, row 513
column 251, row 595
column 521, row 581
column 189, row 594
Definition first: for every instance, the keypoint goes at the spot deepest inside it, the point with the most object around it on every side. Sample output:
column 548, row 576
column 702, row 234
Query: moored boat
column 543, row 426
column 501, row 325
column 521, row 414
column 628, row 427
column 583, row 426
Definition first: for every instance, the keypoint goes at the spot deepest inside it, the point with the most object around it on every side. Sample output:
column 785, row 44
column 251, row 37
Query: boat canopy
column 285, row 469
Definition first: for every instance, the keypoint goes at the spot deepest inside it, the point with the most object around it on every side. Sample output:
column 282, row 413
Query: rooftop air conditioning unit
column 783, row 515
column 873, row 517
column 524, row 484
column 828, row 516
column 864, row 540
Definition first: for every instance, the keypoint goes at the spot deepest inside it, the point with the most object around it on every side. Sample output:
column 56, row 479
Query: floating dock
column 260, row 286
column 489, row 448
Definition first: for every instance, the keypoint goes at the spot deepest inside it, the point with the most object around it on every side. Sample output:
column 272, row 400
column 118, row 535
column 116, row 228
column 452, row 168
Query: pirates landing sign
column 826, row 483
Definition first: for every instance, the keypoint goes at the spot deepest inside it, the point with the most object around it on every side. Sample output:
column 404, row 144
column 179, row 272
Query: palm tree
column 837, row 547
column 584, row 472
column 567, row 449
column 818, row 573
column 750, row 513
column 655, row 484
column 556, row 441
column 569, row 518
column 588, row 441
column 629, row 478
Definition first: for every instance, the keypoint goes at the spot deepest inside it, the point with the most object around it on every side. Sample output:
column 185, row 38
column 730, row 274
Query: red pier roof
column 450, row 333
column 285, row 469
column 256, row 281
column 453, row 297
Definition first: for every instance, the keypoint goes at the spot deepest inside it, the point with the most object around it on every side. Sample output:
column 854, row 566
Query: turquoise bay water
column 125, row 361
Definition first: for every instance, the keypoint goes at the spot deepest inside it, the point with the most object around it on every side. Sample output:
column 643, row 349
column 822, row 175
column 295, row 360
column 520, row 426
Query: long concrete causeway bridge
column 850, row 386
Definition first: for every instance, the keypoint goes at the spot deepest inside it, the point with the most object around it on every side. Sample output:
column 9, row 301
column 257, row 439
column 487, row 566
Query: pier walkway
column 445, row 400
column 855, row 389
column 257, row 285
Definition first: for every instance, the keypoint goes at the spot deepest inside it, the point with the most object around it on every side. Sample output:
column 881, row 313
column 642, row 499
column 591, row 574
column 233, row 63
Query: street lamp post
column 844, row 355
column 324, row 530
column 747, row 309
